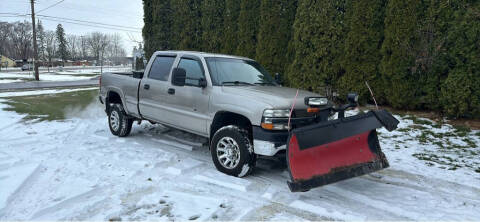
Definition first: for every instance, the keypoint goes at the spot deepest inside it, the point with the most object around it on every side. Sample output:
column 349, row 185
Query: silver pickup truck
column 231, row 100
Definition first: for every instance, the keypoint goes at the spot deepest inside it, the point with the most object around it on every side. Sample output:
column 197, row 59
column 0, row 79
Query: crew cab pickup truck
column 235, row 103
column 231, row 100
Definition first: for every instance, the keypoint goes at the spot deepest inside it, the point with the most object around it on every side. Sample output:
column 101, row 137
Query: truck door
column 153, row 89
column 191, row 100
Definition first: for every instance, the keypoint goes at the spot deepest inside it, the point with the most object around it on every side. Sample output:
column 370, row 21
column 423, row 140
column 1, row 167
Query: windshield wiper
column 237, row 83
column 265, row 83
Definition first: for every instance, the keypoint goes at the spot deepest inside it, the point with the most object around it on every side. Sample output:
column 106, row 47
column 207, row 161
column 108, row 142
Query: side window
column 194, row 71
column 161, row 68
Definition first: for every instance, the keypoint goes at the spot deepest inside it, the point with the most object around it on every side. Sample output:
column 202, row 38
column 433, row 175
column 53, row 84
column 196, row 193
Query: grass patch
column 419, row 127
column 462, row 131
column 469, row 142
column 404, row 130
column 50, row 106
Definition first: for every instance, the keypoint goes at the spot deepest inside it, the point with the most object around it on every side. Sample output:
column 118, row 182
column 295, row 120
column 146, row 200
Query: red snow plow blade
column 336, row 150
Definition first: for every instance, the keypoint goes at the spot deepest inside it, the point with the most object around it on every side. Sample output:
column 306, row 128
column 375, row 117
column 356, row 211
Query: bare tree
column 6, row 30
column 72, row 41
column 98, row 42
column 83, row 47
column 116, row 46
column 22, row 39
column 50, row 46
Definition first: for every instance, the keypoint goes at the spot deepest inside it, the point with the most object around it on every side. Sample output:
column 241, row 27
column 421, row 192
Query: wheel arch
column 113, row 96
column 225, row 118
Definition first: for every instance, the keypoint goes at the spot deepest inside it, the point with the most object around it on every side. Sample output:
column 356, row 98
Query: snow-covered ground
column 55, row 75
column 76, row 170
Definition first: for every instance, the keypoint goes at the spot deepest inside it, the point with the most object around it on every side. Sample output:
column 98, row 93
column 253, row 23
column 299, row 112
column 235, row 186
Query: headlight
column 270, row 114
column 276, row 113
column 316, row 101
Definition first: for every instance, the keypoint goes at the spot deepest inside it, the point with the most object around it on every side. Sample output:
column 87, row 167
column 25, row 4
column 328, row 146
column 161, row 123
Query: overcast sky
column 127, row 13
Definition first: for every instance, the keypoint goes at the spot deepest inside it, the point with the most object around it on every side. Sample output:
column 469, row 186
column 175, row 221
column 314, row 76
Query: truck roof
column 201, row 54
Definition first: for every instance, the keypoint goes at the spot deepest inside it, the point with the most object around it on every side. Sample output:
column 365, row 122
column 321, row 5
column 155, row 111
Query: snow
column 68, row 75
column 75, row 169
column 9, row 80
column 42, row 92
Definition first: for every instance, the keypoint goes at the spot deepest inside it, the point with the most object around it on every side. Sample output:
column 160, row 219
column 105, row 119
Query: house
column 6, row 62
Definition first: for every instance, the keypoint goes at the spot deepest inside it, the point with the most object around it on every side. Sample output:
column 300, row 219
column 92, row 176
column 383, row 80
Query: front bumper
column 269, row 142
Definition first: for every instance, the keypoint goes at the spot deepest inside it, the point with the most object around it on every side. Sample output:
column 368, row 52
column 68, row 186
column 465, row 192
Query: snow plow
column 335, row 150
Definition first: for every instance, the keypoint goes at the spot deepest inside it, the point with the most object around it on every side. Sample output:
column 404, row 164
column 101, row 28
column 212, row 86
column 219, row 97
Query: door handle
column 146, row 86
column 171, row 91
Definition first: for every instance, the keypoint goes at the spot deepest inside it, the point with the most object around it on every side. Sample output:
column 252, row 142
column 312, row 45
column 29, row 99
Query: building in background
column 6, row 62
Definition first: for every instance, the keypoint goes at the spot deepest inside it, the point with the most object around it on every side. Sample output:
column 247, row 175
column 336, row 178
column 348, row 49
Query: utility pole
column 35, row 47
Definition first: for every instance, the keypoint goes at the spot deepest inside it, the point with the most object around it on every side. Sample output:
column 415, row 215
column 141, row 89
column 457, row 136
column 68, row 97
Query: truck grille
column 302, row 113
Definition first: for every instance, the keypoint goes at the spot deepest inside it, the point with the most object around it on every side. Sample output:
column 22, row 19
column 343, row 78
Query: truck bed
column 125, row 85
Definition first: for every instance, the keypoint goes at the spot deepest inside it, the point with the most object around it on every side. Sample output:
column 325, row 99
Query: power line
column 51, row 6
column 90, row 25
column 81, row 22
column 98, row 23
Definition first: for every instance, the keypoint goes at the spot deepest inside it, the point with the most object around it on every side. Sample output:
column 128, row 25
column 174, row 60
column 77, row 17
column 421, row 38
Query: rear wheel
column 118, row 121
column 232, row 151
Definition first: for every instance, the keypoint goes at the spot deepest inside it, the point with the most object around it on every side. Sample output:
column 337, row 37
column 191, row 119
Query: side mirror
column 137, row 74
column 178, row 77
column 278, row 78
column 202, row 82
column 352, row 98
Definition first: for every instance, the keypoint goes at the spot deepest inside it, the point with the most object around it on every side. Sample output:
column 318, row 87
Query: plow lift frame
column 335, row 150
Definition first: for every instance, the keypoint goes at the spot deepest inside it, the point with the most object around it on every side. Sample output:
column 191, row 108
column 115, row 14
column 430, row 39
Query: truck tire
column 118, row 121
column 232, row 151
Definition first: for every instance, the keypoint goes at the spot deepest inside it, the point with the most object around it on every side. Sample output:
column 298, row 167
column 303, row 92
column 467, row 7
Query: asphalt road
column 42, row 69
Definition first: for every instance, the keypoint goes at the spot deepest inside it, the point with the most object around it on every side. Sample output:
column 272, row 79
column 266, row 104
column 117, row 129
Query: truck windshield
column 237, row 72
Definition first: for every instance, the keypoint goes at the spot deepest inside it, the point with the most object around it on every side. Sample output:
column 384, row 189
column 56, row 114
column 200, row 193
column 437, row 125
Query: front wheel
column 232, row 151
column 118, row 121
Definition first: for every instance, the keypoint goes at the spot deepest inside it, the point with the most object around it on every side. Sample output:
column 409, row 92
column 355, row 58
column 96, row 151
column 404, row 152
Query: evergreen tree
column 212, row 25
column 460, row 92
column 147, row 31
column 248, row 27
column 318, row 41
column 362, row 49
column 399, row 51
column 275, row 30
column 432, row 58
column 186, row 24
column 230, row 26
column 62, row 43
column 41, row 40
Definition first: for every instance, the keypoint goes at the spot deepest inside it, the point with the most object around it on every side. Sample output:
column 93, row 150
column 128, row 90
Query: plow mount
column 335, row 150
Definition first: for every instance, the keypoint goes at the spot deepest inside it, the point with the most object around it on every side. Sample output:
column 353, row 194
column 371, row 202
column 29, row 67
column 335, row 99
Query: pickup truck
column 231, row 100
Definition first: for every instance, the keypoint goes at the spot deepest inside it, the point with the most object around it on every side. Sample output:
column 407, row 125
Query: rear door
column 191, row 100
column 153, row 89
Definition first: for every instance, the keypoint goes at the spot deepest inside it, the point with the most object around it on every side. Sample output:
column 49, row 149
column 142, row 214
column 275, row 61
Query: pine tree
column 230, row 26
column 275, row 31
column 362, row 49
column 212, row 25
column 460, row 93
column 399, row 51
column 62, row 43
column 248, row 27
column 147, row 31
column 318, row 41
column 186, row 25
column 162, row 18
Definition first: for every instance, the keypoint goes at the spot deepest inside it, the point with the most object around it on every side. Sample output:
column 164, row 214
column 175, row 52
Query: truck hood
column 275, row 96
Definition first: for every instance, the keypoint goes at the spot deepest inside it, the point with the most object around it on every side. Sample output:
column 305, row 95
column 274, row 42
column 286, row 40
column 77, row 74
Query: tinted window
column 194, row 71
column 161, row 68
column 226, row 70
